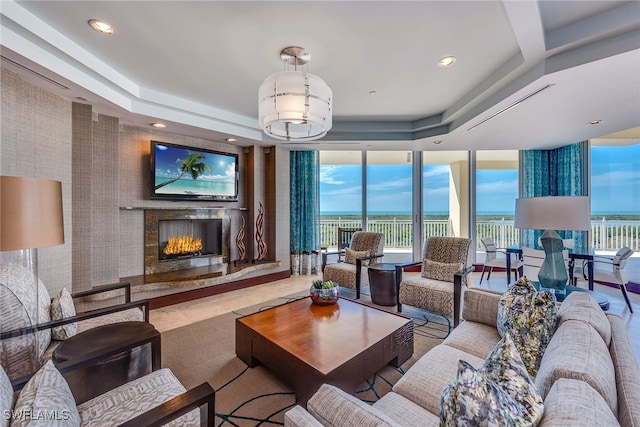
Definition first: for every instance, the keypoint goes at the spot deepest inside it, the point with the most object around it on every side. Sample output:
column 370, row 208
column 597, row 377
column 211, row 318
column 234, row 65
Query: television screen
column 187, row 173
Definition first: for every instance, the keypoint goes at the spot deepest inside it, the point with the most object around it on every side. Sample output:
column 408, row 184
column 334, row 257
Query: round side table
column 382, row 283
column 86, row 383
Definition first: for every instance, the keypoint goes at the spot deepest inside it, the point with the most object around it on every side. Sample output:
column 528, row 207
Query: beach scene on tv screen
column 191, row 172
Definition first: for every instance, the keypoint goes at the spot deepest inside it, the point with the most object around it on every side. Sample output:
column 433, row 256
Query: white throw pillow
column 61, row 308
column 46, row 400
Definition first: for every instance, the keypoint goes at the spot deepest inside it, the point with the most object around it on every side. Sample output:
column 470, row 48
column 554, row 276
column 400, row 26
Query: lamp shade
column 295, row 106
column 30, row 213
column 553, row 213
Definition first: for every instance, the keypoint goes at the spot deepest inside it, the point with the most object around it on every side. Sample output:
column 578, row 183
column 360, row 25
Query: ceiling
column 197, row 66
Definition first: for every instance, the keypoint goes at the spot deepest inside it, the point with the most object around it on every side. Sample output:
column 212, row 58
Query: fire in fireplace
column 189, row 238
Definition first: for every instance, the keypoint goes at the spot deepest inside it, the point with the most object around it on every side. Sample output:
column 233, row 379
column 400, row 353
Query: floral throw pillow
column 62, row 307
column 473, row 400
column 439, row 270
column 499, row 393
column 530, row 318
column 351, row 256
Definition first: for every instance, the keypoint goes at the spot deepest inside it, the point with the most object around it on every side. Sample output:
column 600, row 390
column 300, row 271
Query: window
column 340, row 194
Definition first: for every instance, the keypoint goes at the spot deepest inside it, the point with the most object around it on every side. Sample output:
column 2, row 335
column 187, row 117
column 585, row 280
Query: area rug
column 205, row 351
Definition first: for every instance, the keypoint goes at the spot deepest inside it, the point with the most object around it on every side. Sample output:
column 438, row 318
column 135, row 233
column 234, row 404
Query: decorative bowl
column 324, row 293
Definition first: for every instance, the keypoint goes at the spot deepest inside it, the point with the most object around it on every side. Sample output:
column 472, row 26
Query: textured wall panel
column 35, row 140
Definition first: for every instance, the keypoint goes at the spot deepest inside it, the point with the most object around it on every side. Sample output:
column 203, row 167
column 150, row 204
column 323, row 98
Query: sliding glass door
column 340, row 194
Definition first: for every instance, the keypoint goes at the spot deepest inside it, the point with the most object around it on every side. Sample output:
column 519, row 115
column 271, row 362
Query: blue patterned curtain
column 558, row 172
column 305, row 211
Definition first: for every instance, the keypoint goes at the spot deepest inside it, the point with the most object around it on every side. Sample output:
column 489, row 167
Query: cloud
column 436, row 191
column 436, row 171
column 390, row 184
column 327, row 175
column 498, row 187
column 619, row 177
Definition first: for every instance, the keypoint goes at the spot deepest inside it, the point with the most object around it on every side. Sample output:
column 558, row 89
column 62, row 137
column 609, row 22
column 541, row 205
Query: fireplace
column 183, row 239
column 189, row 238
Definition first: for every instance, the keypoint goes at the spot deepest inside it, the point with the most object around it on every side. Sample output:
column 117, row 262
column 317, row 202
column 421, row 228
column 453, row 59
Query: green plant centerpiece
column 324, row 292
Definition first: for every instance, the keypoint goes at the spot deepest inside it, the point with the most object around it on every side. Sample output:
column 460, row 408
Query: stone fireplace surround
column 215, row 257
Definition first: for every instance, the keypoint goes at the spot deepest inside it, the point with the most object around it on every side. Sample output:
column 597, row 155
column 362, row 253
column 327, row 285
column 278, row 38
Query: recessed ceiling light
column 446, row 61
column 159, row 125
column 437, row 141
column 373, row 92
column 231, row 140
column 595, row 122
column 101, row 26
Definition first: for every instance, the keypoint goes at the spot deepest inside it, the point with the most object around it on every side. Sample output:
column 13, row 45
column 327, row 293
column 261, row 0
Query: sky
column 615, row 188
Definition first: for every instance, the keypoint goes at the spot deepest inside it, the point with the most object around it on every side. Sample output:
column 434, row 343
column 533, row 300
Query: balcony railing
column 398, row 233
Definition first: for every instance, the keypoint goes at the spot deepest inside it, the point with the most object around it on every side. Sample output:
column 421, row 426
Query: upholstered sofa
column 588, row 375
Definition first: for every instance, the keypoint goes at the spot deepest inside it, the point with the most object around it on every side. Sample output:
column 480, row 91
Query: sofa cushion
column 333, row 407
column 21, row 307
column 581, row 306
column 424, row 381
column 577, row 351
column 6, row 398
column 627, row 373
column 440, row 270
column 505, row 367
column 504, row 379
column 473, row 400
column 351, row 256
column 530, row 317
column 134, row 398
column 62, row 307
column 473, row 338
column 481, row 306
column 46, row 397
column 573, row 403
column 405, row 412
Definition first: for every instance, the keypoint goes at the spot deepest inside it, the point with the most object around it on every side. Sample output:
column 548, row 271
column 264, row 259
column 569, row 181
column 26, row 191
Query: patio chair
column 609, row 270
column 439, row 287
column 364, row 247
column 492, row 260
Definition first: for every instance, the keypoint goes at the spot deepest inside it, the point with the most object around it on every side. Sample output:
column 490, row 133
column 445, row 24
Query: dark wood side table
column 87, row 383
column 382, row 283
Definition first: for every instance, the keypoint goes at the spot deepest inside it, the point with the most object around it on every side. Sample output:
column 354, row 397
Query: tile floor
column 185, row 313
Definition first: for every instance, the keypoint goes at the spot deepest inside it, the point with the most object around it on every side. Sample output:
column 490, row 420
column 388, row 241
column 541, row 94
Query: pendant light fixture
column 294, row 105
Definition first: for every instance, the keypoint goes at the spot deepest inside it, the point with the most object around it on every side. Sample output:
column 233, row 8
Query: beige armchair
column 439, row 287
column 25, row 345
column 365, row 246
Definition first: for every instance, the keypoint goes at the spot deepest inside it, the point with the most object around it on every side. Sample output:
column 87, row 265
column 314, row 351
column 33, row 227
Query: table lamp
column 30, row 218
column 552, row 213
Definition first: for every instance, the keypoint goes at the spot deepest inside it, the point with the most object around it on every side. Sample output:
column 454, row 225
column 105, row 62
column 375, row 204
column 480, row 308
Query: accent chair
column 439, row 287
column 365, row 247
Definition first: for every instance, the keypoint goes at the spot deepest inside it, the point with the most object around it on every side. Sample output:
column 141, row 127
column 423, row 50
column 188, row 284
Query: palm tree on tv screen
column 192, row 165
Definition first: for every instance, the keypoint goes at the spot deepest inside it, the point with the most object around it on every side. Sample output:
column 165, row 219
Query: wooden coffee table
column 307, row 345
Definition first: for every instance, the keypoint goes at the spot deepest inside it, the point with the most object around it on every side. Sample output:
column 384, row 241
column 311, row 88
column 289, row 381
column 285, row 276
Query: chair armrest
column 326, row 254
column 192, row 399
column 359, row 260
column 88, row 315
column 105, row 288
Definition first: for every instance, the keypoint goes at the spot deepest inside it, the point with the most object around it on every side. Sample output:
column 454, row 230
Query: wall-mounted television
column 188, row 173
